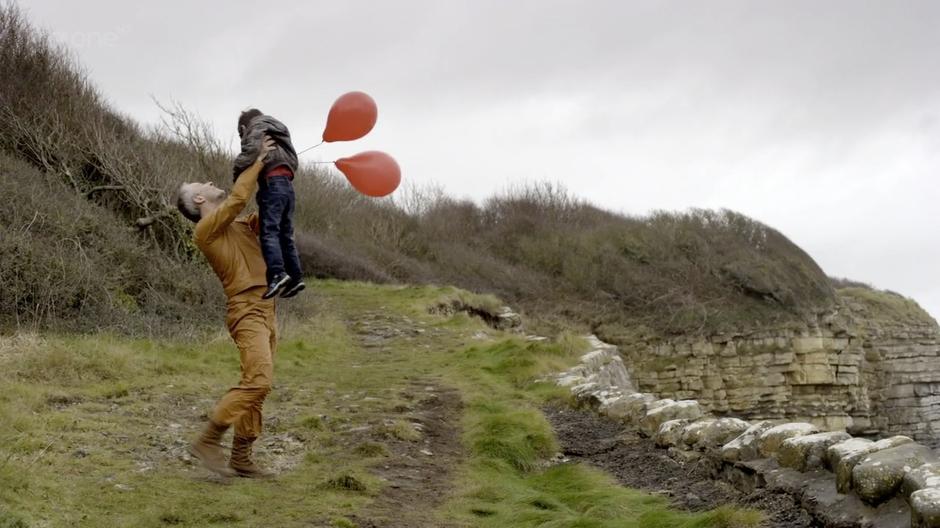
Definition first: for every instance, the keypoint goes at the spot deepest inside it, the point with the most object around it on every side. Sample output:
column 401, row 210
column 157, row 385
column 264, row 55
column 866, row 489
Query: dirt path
column 417, row 474
column 637, row 463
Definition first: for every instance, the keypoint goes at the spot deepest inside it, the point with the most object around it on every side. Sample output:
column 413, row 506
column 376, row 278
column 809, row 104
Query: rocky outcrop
column 840, row 480
column 806, row 453
column 850, row 371
column 878, row 476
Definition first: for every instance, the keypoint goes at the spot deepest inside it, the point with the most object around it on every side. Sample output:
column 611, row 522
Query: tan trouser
column 252, row 324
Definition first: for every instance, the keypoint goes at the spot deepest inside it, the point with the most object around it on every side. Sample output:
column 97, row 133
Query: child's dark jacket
column 283, row 154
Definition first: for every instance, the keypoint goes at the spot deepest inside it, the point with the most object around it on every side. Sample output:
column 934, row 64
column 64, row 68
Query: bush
column 538, row 247
column 67, row 262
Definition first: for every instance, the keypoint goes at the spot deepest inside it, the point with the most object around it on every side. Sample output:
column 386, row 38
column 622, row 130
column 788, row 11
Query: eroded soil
column 637, row 463
column 418, row 473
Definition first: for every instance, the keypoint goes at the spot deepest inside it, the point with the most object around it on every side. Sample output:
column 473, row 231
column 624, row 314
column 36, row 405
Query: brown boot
column 241, row 461
column 208, row 449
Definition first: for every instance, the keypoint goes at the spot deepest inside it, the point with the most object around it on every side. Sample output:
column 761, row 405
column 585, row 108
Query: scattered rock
column 670, row 410
column 632, row 407
column 507, row 319
column 878, row 476
column 720, row 432
column 744, row 447
column 808, row 452
column 670, row 433
column 843, row 457
column 770, row 440
column 925, row 508
column 692, row 433
column 926, row 476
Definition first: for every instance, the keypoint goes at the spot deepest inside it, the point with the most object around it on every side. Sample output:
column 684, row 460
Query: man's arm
column 215, row 222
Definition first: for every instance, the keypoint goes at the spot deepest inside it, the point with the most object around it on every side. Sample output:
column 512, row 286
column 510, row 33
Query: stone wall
column 840, row 480
column 846, row 373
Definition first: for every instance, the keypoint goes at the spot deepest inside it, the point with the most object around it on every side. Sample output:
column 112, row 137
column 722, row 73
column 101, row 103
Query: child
column 275, row 199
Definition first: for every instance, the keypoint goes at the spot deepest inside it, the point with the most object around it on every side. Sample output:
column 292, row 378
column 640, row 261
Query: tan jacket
column 230, row 244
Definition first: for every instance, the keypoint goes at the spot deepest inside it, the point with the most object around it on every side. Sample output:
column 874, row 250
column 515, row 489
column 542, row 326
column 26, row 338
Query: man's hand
column 267, row 145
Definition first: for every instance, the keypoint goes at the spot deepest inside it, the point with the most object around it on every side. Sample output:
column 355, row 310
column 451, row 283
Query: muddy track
column 637, row 463
column 418, row 474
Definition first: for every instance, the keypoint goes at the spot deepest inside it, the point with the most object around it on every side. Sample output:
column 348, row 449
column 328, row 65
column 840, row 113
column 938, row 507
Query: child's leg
column 271, row 206
column 286, row 238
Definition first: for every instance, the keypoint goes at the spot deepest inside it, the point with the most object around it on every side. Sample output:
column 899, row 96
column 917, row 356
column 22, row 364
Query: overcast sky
column 820, row 118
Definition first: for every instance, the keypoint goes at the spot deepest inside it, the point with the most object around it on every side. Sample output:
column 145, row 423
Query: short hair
column 186, row 205
column 246, row 117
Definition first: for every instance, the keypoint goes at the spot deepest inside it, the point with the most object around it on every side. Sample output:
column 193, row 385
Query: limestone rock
column 570, row 379
column 670, row 433
column 805, row 453
column 619, row 407
column 507, row 319
column 926, row 476
column 843, row 457
column 606, row 367
column 744, row 447
column 720, row 432
column 878, row 476
column 925, row 508
column 606, row 400
column 583, row 390
column 852, row 371
column 769, row 441
column 673, row 410
column 692, row 433
column 599, row 397
column 634, row 406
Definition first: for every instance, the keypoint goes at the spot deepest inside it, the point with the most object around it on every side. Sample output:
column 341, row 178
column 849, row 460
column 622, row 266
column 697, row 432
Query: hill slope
column 383, row 414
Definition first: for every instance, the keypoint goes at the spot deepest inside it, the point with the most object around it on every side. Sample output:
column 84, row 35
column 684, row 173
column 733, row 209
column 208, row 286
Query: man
column 231, row 246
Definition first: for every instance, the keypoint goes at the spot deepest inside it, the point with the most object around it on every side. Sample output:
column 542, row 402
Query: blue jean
column 275, row 217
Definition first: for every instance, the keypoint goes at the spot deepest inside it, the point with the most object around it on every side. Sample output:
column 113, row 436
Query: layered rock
column 893, row 482
column 848, row 372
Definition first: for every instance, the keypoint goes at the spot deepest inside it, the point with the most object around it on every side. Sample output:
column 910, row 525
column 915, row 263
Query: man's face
column 205, row 192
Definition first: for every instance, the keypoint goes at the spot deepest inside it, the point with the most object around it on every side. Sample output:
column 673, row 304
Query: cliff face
column 872, row 367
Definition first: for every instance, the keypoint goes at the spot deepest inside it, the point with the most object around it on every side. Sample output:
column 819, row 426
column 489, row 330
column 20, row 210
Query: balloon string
column 310, row 148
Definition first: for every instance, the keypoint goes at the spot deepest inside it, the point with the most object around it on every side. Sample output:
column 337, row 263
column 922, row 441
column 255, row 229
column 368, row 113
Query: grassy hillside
column 383, row 414
column 94, row 191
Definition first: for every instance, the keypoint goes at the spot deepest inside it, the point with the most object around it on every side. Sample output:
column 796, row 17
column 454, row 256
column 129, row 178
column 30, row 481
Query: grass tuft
column 401, row 430
column 345, row 482
column 343, row 522
column 371, row 449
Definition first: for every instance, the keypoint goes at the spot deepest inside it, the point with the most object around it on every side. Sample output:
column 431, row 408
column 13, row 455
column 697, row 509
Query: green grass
column 506, row 481
column 886, row 306
column 95, row 426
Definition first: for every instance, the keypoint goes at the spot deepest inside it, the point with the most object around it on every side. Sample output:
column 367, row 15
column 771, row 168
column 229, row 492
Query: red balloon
column 352, row 116
column 372, row 173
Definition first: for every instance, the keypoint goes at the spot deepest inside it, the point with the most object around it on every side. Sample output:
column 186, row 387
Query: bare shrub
column 90, row 234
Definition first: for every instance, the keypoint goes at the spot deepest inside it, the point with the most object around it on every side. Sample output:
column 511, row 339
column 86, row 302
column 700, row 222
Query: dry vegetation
column 91, row 239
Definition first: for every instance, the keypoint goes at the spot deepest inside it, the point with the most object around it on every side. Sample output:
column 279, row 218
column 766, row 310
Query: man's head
column 245, row 118
column 193, row 199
